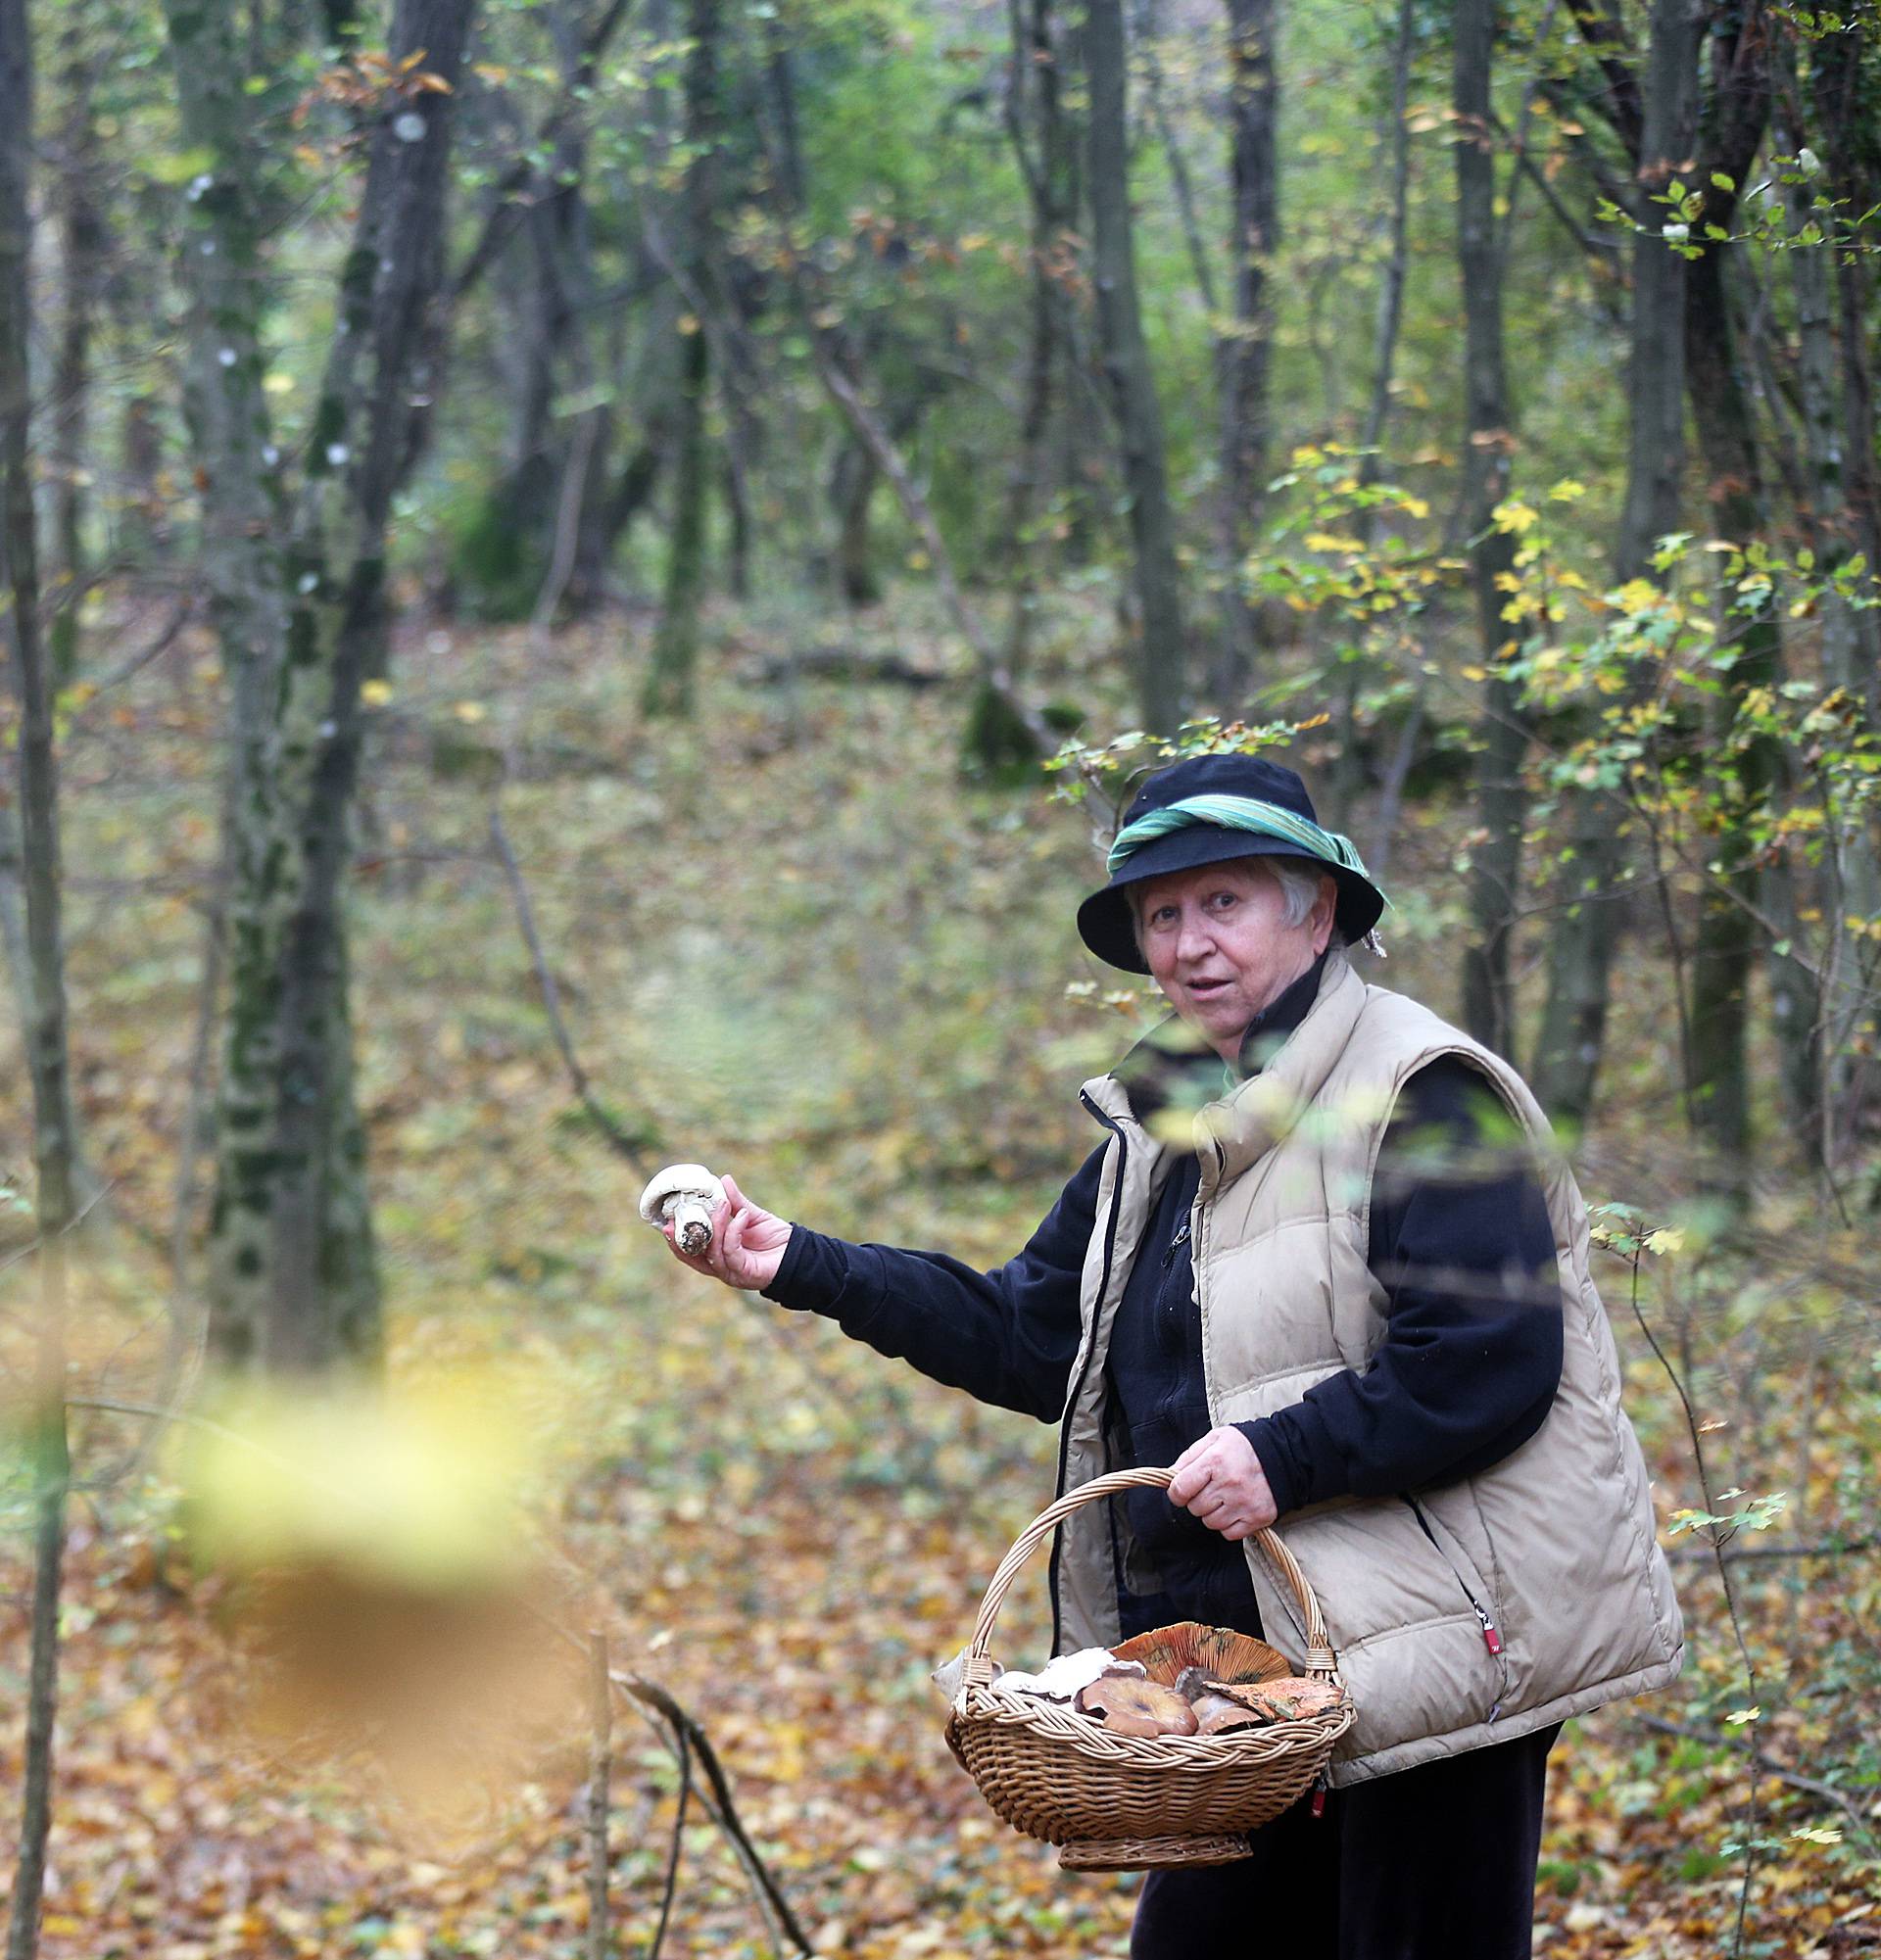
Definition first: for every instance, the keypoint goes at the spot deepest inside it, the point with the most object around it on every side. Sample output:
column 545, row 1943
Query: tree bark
column 1244, row 353
column 47, row 1059
column 1581, row 950
column 1725, row 949
column 670, row 676
column 1161, row 652
column 1347, row 780
column 1850, row 636
column 82, row 245
column 1844, row 98
column 1502, row 801
column 1046, row 156
column 300, row 597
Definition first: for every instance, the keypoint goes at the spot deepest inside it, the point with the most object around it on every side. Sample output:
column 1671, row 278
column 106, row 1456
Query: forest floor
column 790, row 944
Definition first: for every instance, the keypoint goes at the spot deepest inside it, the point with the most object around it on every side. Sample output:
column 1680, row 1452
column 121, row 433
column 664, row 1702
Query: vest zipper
column 1174, row 1246
column 1078, row 1387
column 1491, row 1633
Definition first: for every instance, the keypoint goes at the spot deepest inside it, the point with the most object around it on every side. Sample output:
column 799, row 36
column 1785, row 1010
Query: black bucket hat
column 1176, row 823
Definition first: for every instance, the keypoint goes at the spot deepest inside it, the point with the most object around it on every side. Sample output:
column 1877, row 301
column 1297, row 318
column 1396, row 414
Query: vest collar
column 1234, row 1132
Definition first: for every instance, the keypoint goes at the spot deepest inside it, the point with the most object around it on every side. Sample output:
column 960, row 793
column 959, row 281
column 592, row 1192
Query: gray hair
column 1299, row 883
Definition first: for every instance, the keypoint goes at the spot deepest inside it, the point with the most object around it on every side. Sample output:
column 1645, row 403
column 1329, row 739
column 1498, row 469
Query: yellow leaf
column 375, row 693
column 1513, row 515
column 1475, row 673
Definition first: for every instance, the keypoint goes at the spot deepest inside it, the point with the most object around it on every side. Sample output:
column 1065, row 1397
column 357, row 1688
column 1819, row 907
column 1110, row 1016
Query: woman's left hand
column 1219, row 1480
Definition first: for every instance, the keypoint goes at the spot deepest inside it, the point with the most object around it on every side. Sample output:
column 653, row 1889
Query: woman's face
column 1218, row 945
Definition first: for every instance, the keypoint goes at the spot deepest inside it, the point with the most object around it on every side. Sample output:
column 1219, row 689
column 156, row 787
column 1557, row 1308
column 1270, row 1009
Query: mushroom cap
column 691, row 1180
column 1222, row 1654
column 1061, row 1679
column 1134, row 1707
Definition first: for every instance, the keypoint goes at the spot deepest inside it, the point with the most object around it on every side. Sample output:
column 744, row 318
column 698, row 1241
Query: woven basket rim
column 1267, row 1742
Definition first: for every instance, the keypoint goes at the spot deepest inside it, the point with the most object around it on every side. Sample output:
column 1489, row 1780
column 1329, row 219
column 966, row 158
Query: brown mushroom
column 1217, row 1714
column 1130, row 1705
column 1298, row 1696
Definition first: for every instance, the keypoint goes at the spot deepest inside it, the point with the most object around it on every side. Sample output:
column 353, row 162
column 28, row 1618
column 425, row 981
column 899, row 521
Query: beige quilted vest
column 1463, row 1614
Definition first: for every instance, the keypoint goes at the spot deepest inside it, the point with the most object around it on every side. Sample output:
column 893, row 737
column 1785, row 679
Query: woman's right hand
column 748, row 1242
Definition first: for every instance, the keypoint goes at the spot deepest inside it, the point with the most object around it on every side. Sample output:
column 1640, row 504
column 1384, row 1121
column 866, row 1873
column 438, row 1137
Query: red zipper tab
column 1491, row 1639
column 1319, row 1803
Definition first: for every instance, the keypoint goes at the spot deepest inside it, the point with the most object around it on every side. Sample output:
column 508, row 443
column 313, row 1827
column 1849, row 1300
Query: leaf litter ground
column 791, row 944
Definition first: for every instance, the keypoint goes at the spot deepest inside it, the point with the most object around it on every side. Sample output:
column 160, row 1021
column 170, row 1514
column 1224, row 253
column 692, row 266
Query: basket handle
column 1320, row 1658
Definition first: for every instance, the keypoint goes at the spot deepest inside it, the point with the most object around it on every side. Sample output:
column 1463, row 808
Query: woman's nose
column 1192, row 940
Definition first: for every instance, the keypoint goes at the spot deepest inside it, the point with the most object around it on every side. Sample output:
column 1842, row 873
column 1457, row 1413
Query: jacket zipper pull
column 1491, row 1639
column 1174, row 1246
column 1320, row 1783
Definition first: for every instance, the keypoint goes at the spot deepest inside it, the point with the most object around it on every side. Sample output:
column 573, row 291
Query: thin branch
column 1152, row 67
column 71, row 1224
column 138, row 661
column 1830, row 1548
column 682, row 1748
column 1660, row 1726
column 601, row 1756
column 603, row 1121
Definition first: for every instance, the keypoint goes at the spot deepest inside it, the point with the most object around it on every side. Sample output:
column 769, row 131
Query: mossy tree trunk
column 1832, row 291
column 671, row 674
column 82, row 243
column 297, row 582
column 1502, row 741
column 1161, row 657
column 1044, row 144
column 1244, row 355
column 1725, row 945
column 1593, row 860
column 41, row 1421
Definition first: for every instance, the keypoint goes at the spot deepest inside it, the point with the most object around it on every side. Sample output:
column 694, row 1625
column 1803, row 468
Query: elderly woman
column 1326, row 1262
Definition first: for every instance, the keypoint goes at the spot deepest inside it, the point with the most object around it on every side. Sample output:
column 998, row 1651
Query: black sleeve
column 1008, row 1336
column 1461, row 1240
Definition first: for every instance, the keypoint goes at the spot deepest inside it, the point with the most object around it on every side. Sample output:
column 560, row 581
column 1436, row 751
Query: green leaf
column 180, row 166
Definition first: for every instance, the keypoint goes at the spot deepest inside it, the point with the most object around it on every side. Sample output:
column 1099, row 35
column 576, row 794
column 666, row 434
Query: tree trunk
column 82, row 252
column 1502, row 803
column 1851, row 646
column 1726, row 948
column 1047, row 161
column 1244, row 355
column 1347, row 780
column 1847, row 109
column 47, row 1059
column 1161, row 654
column 675, row 657
column 299, row 601
column 853, row 490
column 1581, row 950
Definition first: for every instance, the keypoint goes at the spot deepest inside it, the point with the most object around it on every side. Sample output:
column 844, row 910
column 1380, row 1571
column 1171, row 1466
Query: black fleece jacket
column 1459, row 1240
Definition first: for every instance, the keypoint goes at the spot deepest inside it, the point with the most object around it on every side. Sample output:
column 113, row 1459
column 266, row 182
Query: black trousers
column 1435, row 1863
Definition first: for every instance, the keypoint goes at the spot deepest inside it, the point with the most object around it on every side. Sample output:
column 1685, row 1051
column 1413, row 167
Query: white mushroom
column 687, row 1194
column 1061, row 1679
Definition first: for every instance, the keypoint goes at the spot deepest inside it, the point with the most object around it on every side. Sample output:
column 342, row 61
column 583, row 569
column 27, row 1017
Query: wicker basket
column 1114, row 1803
